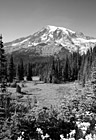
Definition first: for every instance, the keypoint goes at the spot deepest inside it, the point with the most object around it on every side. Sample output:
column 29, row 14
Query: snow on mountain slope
column 19, row 43
column 50, row 40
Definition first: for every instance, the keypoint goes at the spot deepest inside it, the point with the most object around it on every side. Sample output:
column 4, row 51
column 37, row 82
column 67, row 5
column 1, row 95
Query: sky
column 20, row 18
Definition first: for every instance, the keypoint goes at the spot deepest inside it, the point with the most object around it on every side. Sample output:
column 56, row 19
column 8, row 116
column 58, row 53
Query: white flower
column 39, row 130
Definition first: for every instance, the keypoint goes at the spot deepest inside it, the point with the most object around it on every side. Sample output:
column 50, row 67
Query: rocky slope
column 51, row 40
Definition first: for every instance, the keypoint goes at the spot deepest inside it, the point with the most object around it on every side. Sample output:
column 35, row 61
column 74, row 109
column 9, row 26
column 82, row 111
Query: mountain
column 50, row 40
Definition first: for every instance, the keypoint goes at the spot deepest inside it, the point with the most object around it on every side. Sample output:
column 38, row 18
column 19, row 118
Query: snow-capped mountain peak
column 51, row 40
column 53, row 28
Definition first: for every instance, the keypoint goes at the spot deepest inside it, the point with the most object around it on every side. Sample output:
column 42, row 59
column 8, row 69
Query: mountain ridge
column 51, row 40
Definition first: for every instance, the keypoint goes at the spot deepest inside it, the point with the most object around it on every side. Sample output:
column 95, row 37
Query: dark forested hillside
column 56, row 69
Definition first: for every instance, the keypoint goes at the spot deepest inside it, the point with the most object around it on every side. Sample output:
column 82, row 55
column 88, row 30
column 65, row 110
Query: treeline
column 53, row 71
column 72, row 67
column 57, row 71
column 21, row 69
column 87, row 64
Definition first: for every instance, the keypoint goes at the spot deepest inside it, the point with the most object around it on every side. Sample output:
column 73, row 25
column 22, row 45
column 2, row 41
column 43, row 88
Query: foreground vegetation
column 34, row 108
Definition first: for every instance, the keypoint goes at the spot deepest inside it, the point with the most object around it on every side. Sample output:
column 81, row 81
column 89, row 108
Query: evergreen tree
column 11, row 69
column 94, row 53
column 89, row 64
column 54, row 72
column 21, row 70
column 85, row 69
column 81, row 76
column 66, row 69
column 75, row 66
column 58, row 70
column 93, row 77
column 2, row 62
column 29, row 72
column 18, row 73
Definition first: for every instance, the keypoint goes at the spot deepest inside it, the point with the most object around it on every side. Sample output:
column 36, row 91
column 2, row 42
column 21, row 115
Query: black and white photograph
column 47, row 69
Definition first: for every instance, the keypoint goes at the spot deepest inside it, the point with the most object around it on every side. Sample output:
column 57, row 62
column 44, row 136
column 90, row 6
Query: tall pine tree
column 11, row 69
column 29, row 72
column 20, row 70
column 2, row 61
column 93, row 77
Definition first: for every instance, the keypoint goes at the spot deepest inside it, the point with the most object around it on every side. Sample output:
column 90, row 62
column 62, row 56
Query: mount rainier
column 50, row 40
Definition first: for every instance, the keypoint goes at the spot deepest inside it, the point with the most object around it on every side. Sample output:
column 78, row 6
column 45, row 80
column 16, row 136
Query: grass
column 46, row 94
